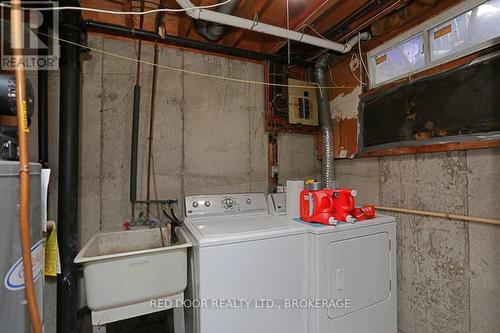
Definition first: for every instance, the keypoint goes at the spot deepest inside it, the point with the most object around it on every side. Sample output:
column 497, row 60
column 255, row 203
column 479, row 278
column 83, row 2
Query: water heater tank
column 14, row 317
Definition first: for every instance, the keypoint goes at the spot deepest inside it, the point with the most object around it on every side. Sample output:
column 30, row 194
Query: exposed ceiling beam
column 308, row 17
column 247, row 9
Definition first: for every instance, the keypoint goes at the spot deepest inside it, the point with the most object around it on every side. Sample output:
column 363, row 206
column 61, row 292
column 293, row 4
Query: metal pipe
column 152, row 118
column 134, row 148
column 439, row 214
column 24, row 173
column 325, row 119
column 122, row 31
column 135, row 124
column 69, row 114
column 43, row 122
column 255, row 25
column 215, row 31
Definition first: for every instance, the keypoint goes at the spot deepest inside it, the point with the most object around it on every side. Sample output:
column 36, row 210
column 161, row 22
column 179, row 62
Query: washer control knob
column 249, row 201
column 195, row 204
column 207, row 203
column 228, row 203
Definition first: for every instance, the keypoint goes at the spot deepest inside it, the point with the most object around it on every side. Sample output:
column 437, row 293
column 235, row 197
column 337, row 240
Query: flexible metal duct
column 325, row 116
column 215, row 31
column 325, row 119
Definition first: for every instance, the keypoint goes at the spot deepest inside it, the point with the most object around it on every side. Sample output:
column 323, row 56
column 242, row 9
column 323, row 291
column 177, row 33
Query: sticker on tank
column 14, row 280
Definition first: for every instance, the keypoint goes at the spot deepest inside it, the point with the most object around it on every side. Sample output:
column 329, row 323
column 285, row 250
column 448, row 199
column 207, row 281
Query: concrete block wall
column 448, row 271
column 209, row 134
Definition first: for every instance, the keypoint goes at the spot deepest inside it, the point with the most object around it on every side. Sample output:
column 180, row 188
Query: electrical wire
column 362, row 66
column 361, row 58
column 288, row 29
column 312, row 85
column 114, row 12
column 360, row 80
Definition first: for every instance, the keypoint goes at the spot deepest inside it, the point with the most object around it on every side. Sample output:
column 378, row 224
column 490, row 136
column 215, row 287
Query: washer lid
column 239, row 229
column 210, row 228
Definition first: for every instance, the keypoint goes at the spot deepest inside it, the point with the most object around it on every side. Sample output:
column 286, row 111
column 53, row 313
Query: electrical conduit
column 24, row 175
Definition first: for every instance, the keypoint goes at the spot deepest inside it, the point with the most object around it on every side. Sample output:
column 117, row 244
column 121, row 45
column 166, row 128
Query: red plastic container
column 316, row 205
column 331, row 206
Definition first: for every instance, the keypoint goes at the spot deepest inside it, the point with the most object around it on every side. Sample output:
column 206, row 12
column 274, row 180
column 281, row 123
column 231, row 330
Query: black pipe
column 69, row 114
column 119, row 30
column 135, row 143
column 43, row 80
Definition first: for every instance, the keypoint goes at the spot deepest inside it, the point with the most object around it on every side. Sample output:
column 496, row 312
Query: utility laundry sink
column 126, row 268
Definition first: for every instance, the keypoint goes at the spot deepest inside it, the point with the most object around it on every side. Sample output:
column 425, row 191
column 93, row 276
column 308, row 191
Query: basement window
column 403, row 58
column 470, row 26
column 466, row 31
column 460, row 105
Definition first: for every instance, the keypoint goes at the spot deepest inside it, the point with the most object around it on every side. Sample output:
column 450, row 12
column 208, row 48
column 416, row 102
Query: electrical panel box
column 302, row 103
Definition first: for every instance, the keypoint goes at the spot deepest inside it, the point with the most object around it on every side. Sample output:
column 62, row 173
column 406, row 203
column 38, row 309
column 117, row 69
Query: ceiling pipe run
column 215, row 31
column 255, row 25
column 118, row 30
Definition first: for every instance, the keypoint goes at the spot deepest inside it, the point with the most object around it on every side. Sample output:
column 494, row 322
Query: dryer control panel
column 215, row 205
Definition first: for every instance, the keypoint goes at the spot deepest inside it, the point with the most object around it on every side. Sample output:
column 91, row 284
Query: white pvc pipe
column 243, row 23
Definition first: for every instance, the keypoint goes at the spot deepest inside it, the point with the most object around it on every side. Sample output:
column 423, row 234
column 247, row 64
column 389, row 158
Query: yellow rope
column 186, row 71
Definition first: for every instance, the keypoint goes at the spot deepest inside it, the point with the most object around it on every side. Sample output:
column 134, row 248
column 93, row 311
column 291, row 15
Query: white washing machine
column 241, row 252
column 354, row 265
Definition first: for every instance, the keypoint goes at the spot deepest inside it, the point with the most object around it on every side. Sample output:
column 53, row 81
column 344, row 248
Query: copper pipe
column 139, row 48
column 135, row 123
column 158, row 20
column 151, row 128
column 439, row 214
column 24, row 173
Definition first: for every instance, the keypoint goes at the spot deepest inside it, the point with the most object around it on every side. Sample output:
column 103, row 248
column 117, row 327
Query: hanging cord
column 361, row 65
column 174, row 222
column 313, row 85
column 24, row 173
column 361, row 58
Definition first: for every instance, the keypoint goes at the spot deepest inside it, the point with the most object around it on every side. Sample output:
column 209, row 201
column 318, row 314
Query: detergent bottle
column 316, row 203
column 343, row 205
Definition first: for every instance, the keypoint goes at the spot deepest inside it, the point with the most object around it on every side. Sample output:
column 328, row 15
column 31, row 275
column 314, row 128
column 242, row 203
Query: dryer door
column 358, row 270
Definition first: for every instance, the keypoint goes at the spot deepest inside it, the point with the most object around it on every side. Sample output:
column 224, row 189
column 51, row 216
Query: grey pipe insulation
column 215, row 31
column 325, row 116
